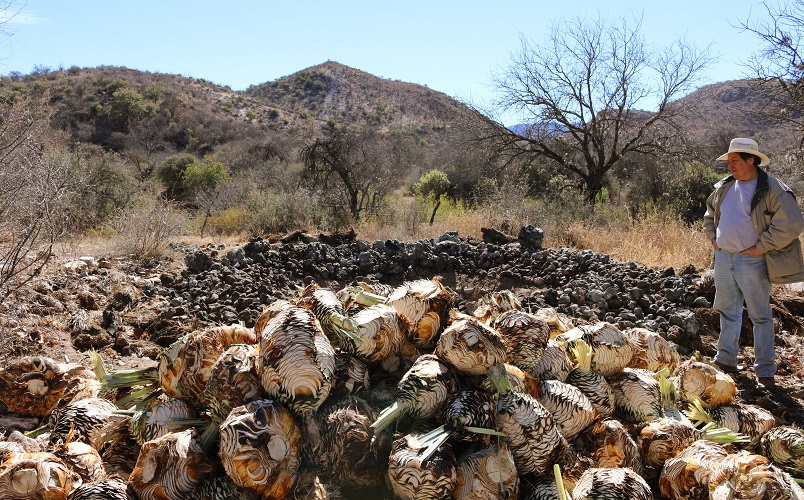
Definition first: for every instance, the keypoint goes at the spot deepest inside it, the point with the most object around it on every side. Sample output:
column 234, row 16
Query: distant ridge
column 198, row 116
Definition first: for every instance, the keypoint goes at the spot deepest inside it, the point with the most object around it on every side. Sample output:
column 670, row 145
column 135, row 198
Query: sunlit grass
column 655, row 240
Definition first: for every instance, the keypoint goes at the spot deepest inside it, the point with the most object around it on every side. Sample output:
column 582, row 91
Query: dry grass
column 654, row 240
column 651, row 242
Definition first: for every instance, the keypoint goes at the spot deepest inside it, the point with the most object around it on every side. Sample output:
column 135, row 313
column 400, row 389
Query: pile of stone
column 220, row 286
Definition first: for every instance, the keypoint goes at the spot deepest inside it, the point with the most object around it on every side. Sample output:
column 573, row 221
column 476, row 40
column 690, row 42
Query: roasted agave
column 784, row 445
column 611, row 350
column 32, row 386
column 35, row 476
column 471, row 346
column 233, row 381
column 686, row 476
column 744, row 475
column 526, row 337
column 412, row 479
column 160, row 419
column 488, row 473
column 637, row 395
column 613, row 446
column 201, row 350
column 614, row 484
column 340, row 442
column 169, row 467
column 571, row 410
column 260, row 448
column 530, row 430
column 112, row 488
column 329, row 310
column 749, row 420
column 705, row 382
column 589, row 382
column 82, row 419
column 383, row 332
column 297, row 361
column 653, row 352
column 554, row 364
column 664, row 438
column 420, row 393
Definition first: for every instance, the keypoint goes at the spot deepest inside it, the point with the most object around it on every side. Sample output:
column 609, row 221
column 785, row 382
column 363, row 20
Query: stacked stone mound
column 231, row 287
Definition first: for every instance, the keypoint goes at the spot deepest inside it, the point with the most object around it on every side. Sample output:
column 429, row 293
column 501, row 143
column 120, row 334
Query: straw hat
column 745, row 145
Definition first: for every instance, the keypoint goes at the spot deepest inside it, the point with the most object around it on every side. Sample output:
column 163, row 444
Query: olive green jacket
column 777, row 220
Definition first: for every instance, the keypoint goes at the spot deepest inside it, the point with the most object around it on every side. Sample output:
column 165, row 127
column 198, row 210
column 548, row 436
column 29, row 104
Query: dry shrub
column 400, row 220
column 653, row 240
column 33, row 186
column 144, row 229
column 280, row 212
column 230, row 221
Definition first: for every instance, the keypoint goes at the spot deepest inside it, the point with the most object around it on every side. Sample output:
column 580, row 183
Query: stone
column 685, row 319
column 530, row 238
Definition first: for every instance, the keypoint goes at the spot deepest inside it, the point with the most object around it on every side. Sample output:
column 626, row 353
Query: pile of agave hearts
column 380, row 392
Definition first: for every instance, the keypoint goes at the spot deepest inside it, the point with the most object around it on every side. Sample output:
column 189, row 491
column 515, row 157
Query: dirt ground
column 39, row 321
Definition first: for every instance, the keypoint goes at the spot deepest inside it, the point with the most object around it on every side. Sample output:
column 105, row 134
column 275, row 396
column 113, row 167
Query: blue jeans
column 741, row 278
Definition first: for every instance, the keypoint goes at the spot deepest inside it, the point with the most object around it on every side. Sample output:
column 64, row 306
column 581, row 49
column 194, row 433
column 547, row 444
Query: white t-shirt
column 735, row 230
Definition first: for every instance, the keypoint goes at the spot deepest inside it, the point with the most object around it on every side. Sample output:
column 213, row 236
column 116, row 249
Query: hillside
column 163, row 113
column 137, row 120
column 736, row 108
column 334, row 92
column 123, row 109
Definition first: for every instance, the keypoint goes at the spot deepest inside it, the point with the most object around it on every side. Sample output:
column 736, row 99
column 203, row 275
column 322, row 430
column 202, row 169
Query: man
column 753, row 221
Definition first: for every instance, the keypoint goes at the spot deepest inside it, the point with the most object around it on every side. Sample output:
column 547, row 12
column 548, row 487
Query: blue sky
column 451, row 46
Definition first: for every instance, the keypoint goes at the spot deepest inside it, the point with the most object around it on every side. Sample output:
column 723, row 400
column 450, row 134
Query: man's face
column 742, row 170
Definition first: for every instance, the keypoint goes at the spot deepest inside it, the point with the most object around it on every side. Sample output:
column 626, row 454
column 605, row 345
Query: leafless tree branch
column 583, row 92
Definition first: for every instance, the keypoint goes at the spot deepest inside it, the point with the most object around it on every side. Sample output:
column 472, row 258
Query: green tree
column 207, row 175
column 433, row 186
column 171, row 173
column 127, row 106
column 689, row 191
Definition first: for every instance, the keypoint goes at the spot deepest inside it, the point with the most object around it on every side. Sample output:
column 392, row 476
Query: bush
column 280, row 212
column 126, row 107
column 230, row 221
column 171, row 173
column 101, row 184
column 33, row 186
column 205, row 176
column 688, row 192
column 144, row 229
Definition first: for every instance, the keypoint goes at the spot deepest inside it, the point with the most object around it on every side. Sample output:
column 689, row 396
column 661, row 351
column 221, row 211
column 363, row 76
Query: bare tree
column 33, row 190
column 358, row 168
column 778, row 66
column 581, row 92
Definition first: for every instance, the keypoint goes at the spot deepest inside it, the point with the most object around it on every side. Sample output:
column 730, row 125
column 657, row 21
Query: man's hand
column 714, row 244
column 753, row 252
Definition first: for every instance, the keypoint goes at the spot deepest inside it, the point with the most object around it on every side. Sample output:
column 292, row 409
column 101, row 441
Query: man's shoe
column 729, row 368
column 767, row 383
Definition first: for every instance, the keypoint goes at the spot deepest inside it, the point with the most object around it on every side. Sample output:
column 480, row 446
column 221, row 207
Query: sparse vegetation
column 34, row 185
column 232, row 160
column 144, row 228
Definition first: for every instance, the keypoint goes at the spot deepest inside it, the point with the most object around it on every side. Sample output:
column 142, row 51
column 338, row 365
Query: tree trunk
column 354, row 206
column 435, row 209
column 594, row 185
